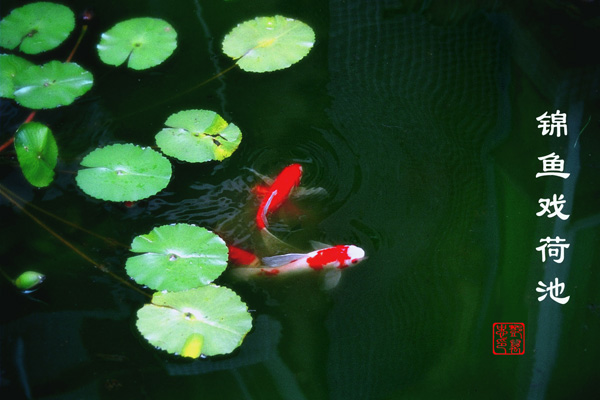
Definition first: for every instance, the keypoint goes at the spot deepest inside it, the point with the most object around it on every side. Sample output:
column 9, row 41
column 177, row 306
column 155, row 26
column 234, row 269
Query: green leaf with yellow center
column 198, row 136
column 209, row 320
column 266, row 44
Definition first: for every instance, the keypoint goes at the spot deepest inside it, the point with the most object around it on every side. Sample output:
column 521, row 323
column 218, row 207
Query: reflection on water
column 418, row 121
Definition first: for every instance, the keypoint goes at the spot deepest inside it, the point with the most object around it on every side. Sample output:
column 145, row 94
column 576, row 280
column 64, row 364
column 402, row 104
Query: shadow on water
column 419, row 121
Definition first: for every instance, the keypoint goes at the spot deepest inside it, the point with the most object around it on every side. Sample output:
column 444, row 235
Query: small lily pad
column 37, row 153
column 145, row 42
column 51, row 85
column 36, row 27
column 176, row 321
column 198, row 136
column 267, row 44
column 10, row 67
column 177, row 257
column 123, row 172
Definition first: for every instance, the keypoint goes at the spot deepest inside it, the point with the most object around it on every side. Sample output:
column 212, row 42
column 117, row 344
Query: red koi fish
column 276, row 194
column 331, row 258
column 242, row 257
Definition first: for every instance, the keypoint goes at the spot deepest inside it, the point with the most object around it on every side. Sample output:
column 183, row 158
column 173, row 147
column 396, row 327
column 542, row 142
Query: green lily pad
column 267, row 44
column 123, row 172
column 146, row 42
column 36, row 27
column 37, row 153
column 176, row 321
column 198, row 136
column 177, row 257
column 10, row 67
column 51, row 85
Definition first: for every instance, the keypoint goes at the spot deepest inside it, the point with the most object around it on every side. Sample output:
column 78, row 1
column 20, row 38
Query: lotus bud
column 29, row 280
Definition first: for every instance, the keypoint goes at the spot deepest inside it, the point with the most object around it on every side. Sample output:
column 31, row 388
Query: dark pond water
column 419, row 119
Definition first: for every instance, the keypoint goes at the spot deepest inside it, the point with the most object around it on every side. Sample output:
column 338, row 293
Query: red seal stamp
column 508, row 338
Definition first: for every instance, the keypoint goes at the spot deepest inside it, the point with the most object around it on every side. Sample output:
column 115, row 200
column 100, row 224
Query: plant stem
column 83, row 30
column 108, row 240
column 12, row 139
column 137, row 111
column 8, row 278
column 101, row 267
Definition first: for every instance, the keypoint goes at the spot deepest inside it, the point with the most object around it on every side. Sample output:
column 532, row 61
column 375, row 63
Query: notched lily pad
column 198, row 136
column 51, row 85
column 36, row 27
column 211, row 317
column 142, row 42
column 177, row 257
column 10, row 67
column 269, row 43
column 37, row 153
column 123, row 172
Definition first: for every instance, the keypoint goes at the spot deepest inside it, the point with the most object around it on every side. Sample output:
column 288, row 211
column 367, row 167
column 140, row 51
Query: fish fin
column 266, row 208
column 302, row 192
column 264, row 178
column 275, row 245
column 319, row 245
column 260, row 191
column 331, row 279
column 278, row 261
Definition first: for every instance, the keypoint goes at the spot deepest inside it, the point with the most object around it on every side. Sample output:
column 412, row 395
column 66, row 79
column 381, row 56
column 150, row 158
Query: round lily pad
column 177, row 257
column 10, row 66
column 51, row 85
column 123, row 172
column 176, row 321
column 37, row 153
column 36, row 27
column 146, row 42
column 269, row 43
column 198, row 136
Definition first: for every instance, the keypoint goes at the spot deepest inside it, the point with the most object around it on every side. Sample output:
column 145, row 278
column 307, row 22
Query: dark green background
column 419, row 119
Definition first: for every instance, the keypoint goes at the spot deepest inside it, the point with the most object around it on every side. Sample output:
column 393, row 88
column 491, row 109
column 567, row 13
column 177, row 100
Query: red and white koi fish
column 331, row 258
column 277, row 193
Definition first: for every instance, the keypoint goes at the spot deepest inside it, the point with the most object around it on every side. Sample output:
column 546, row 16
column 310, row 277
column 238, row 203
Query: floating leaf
column 28, row 280
column 177, row 257
column 36, row 27
column 267, row 44
column 51, row 85
column 198, row 136
column 123, row 172
column 10, row 66
column 146, row 42
column 37, row 153
column 175, row 320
